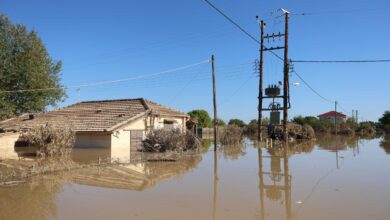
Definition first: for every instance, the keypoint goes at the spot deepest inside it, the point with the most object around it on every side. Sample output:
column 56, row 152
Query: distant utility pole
column 260, row 106
column 335, row 117
column 215, row 105
column 286, row 95
column 357, row 119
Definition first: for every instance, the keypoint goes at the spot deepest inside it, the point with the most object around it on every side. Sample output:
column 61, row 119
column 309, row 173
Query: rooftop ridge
column 164, row 106
column 109, row 100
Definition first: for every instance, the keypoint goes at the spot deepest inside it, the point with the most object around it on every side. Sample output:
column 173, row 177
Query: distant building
column 340, row 117
column 117, row 124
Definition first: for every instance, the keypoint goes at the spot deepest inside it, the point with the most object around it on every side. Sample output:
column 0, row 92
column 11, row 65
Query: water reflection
column 233, row 152
column 385, row 144
column 35, row 200
column 276, row 182
column 338, row 143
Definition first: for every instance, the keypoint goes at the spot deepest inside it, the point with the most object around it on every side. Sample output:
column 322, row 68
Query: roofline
column 109, row 100
column 128, row 120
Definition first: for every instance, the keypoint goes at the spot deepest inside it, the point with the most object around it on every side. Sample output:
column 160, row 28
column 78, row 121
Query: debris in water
column 298, row 202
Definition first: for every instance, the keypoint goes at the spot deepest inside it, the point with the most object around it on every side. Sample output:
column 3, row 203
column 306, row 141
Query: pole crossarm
column 273, row 48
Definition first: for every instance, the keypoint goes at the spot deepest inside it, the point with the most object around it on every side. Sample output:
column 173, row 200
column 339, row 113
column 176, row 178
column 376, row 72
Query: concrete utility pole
column 260, row 107
column 285, row 80
column 215, row 105
column 357, row 119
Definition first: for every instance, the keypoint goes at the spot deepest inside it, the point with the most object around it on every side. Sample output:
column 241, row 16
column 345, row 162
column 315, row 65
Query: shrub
column 295, row 131
column 237, row 122
column 50, row 140
column 170, row 140
column 231, row 135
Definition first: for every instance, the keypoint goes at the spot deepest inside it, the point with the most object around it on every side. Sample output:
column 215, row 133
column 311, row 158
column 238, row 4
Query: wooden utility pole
column 260, row 107
column 215, row 105
column 285, row 81
column 335, row 117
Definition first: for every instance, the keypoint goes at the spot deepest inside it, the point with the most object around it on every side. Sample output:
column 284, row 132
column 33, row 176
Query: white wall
column 179, row 122
column 120, row 139
column 7, row 146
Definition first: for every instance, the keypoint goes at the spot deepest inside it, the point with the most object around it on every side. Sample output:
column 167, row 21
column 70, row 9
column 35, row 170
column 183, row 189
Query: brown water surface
column 332, row 178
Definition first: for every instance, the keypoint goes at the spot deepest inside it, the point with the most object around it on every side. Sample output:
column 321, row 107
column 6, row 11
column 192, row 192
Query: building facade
column 120, row 125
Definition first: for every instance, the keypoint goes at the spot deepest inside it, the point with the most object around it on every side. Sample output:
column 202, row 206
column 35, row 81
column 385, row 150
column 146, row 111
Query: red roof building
column 340, row 117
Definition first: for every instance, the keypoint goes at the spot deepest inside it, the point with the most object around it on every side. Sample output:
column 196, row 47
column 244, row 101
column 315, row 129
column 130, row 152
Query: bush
column 51, row 141
column 295, row 131
column 232, row 135
column 170, row 140
column 237, row 122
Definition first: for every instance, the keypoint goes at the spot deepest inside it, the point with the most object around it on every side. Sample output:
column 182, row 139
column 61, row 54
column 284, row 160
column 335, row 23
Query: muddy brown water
column 332, row 178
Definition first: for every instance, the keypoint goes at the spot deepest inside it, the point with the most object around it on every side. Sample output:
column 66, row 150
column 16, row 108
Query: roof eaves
column 128, row 120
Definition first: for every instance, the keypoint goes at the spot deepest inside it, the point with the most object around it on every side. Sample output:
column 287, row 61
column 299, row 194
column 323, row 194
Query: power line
column 340, row 61
column 232, row 21
column 236, row 91
column 110, row 81
column 187, row 84
column 239, row 27
column 341, row 11
column 311, row 88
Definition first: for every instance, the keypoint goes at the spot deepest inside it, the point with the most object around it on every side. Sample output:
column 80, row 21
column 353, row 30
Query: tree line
column 319, row 125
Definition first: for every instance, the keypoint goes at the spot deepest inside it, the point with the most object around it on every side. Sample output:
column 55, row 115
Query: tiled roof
column 103, row 115
column 332, row 114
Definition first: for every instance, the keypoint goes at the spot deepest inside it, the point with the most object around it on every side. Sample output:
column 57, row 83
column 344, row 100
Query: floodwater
column 332, row 178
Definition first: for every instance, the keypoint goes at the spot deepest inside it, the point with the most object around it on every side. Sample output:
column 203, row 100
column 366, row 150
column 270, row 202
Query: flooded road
column 332, row 178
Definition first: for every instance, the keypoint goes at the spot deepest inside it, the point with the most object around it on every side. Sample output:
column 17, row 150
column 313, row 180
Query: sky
column 140, row 40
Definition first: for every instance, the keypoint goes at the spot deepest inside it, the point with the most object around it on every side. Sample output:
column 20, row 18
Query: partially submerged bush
column 295, row 131
column 170, row 140
column 232, row 135
column 51, row 141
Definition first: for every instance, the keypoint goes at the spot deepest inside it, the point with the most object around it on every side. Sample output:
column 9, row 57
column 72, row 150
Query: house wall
column 120, row 139
column 7, row 146
column 179, row 122
column 93, row 140
column 331, row 118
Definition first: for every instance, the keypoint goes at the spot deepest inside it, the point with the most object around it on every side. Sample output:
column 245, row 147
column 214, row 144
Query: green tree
column 384, row 122
column 237, row 122
column 25, row 64
column 221, row 122
column 202, row 116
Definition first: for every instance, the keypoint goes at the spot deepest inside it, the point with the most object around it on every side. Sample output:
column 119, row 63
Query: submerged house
column 117, row 124
column 332, row 115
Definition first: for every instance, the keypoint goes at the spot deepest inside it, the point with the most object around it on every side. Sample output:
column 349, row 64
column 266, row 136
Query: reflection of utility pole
column 215, row 185
column 275, row 175
column 261, row 182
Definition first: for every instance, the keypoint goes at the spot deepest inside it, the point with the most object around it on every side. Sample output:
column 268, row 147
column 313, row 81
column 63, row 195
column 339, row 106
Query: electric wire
column 341, row 11
column 186, row 85
column 311, row 88
column 340, row 61
column 93, row 84
column 232, row 21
